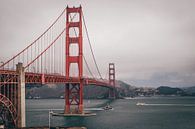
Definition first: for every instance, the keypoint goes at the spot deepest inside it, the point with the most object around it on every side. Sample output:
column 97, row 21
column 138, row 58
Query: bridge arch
column 7, row 112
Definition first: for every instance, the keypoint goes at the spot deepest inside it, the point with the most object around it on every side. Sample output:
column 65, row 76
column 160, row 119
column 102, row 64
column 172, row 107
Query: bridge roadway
column 10, row 77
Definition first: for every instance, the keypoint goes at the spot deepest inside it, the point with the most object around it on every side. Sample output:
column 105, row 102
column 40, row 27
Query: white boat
column 129, row 98
column 140, row 104
column 107, row 107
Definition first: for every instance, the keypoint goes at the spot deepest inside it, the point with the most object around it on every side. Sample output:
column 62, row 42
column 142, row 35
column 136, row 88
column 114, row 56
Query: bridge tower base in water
column 74, row 91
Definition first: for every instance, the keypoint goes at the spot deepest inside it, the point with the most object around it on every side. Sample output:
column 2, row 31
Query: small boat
column 140, row 104
column 107, row 107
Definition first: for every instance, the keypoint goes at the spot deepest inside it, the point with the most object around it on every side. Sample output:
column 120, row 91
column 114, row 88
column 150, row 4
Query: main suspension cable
column 91, row 46
column 34, row 40
column 88, row 68
column 37, row 57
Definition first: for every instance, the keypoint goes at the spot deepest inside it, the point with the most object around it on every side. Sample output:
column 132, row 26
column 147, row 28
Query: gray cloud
column 151, row 42
column 173, row 79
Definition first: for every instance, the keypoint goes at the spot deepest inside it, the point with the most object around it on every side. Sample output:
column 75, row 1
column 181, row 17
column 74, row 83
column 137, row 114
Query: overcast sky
column 151, row 42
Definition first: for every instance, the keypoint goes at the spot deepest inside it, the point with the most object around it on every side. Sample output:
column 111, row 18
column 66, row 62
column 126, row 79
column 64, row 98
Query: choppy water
column 155, row 113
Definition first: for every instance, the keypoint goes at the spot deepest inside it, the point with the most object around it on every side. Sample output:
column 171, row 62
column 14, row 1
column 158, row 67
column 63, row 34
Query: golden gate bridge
column 56, row 56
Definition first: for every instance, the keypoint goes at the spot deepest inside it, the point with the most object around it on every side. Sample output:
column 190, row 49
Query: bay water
column 132, row 113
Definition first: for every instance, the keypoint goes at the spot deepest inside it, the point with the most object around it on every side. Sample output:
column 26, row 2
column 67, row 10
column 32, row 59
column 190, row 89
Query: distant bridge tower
column 74, row 91
column 112, row 92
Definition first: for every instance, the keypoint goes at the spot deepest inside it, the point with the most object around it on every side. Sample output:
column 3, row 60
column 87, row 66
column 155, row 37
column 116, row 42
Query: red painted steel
column 112, row 74
column 74, row 91
column 74, row 85
column 9, row 105
column 112, row 81
column 39, row 78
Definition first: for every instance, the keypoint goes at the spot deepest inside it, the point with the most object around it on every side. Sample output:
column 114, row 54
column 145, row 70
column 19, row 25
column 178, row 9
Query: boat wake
column 93, row 109
column 163, row 104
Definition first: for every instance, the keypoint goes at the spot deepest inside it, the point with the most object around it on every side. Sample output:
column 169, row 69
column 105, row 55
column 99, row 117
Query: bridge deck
column 10, row 77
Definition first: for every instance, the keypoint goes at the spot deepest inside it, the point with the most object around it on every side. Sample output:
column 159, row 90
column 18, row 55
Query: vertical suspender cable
column 91, row 46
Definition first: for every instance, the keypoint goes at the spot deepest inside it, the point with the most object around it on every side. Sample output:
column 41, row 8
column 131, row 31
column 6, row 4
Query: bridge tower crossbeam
column 74, row 91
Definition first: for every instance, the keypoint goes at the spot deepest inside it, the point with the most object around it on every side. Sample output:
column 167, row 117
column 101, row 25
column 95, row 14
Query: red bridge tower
column 112, row 93
column 74, row 91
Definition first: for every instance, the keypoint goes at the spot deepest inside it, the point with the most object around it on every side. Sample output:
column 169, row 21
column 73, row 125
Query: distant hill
column 127, row 89
column 44, row 91
column 57, row 91
column 165, row 90
column 90, row 91
column 97, row 92
column 190, row 91
column 125, row 85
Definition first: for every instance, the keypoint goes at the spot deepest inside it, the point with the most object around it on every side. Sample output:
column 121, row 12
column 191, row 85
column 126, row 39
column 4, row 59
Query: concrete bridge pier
column 20, row 105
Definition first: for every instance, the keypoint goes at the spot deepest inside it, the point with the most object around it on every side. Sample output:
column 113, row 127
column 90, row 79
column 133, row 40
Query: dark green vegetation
column 190, row 91
column 165, row 90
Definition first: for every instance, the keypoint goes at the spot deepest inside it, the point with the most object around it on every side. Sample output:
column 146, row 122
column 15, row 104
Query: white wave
column 93, row 109
column 165, row 104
